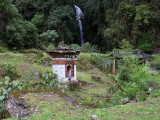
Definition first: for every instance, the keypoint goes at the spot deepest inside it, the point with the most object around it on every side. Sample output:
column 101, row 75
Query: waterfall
column 79, row 14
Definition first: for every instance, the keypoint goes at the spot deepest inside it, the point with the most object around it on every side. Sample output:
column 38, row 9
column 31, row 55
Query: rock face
column 16, row 108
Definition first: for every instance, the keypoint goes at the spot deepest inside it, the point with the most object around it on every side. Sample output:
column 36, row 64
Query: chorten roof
column 63, row 49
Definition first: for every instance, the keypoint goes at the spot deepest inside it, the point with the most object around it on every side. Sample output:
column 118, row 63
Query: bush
column 48, row 80
column 145, row 47
column 86, row 48
column 75, row 47
column 3, row 49
column 5, row 86
column 84, row 62
column 102, row 61
column 37, row 56
column 8, row 70
column 48, row 38
column 155, row 63
column 132, row 78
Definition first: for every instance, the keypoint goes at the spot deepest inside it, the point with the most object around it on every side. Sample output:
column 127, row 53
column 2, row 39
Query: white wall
column 60, row 71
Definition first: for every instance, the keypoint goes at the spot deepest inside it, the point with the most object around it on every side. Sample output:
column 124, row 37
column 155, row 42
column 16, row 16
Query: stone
column 96, row 78
column 74, row 85
column 16, row 107
column 124, row 101
column 148, row 102
column 94, row 117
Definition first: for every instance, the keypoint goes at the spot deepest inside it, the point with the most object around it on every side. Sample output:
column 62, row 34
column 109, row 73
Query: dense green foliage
column 8, row 82
column 37, row 24
column 135, row 80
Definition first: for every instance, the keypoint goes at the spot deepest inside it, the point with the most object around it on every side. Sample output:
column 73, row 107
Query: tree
column 7, row 12
column 48, row 37
column 21, row 34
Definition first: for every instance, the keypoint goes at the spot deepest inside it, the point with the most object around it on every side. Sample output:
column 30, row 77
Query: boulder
column 96, row 78
column 16, row 108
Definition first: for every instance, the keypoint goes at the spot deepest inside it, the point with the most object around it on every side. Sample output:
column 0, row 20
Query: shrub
column 88, row 48
column 75, row 47
column 47, row 38
column 37, row 56
column 132, row 78
column 155, row 63
column 3, row 49
column 48, row 80
column 145, row 47
column 102, row 61
column 5, row 86
column 84, row 62
column 8, row 70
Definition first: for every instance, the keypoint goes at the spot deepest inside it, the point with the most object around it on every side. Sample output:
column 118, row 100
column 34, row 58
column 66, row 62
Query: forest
column 42, row 23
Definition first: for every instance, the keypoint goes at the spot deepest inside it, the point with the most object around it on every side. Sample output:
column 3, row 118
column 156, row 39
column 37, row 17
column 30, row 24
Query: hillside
column 91, row 98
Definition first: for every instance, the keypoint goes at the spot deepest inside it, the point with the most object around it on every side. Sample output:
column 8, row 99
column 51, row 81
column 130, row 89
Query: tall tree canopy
column 106, row 23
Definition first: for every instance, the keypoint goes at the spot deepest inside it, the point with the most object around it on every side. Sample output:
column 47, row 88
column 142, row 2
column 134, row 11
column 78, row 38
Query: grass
column 134, row 111
column 155, row 63
column 84, row 62
column 93, row 93
column 53, row 107
column 25, row 67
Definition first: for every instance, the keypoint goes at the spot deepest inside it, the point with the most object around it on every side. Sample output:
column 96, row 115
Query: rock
column 37, row 74
column 124, row 101
column 16, row 107
column 74, row 85
column 46, row 63
column 148, row 102
column 94, row 117
column 96, row 78
column 22, row 103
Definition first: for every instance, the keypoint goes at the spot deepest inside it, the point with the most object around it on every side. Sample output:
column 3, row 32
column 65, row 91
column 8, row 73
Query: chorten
column 64, row 63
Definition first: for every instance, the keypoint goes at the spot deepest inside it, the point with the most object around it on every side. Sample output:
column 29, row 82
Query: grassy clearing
column 93, row 93
column 148, row 110
column 25, row 68
column 53, row 107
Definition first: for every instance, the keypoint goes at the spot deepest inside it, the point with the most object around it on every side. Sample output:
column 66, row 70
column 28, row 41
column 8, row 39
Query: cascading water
column 79, row 14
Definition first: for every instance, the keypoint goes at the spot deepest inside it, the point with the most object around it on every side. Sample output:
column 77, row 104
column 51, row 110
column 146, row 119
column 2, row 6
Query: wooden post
column 114, row 67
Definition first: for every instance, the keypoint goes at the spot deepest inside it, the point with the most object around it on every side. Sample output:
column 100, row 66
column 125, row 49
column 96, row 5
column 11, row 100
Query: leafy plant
column 8, row 70
column 48, row 80
column 7, row 85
